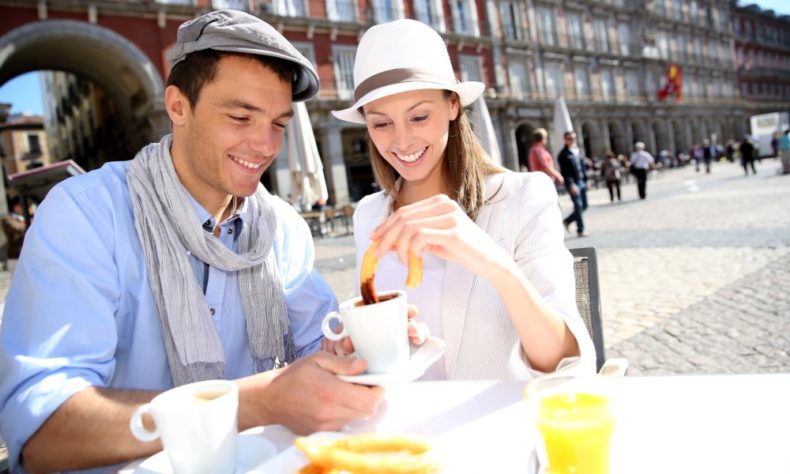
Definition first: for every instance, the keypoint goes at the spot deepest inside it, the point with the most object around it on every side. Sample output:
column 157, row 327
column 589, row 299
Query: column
column 509, row 148
column 332, row 154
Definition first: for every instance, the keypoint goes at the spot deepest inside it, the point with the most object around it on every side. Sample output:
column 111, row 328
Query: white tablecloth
column 679, row 424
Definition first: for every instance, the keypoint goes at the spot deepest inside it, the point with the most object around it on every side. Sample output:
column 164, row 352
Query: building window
column 470, row 68
column 511, row 20
column 548, row 35
column 341, row 10
column 387, row 10
column 33, row 144
column 293, row 8
column 660, row 8
column 242, row 5
column 631, row 83
column 464, row 17
column 430, row 13
column 601, row 38
column 306, row 49
column 694, row 11
column 582, row 79
column 625, row 38
column 343, row 57
column 677, row 9
column 663, row 44
column 576, row 30
column 698, row 53
column 607, row 84
column 554, row 80
column 519, row 85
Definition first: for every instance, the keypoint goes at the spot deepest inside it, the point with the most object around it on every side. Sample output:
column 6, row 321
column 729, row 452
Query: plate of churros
column 367, row 453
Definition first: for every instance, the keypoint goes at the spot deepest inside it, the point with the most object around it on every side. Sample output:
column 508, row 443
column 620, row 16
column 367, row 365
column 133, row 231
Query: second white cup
column 197, row 424
column 378, row 331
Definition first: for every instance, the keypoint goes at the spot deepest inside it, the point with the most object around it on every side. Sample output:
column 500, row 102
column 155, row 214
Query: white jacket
column 522, row 216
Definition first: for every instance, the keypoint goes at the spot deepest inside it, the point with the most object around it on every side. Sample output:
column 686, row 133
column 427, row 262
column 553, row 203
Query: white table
column 679, row 424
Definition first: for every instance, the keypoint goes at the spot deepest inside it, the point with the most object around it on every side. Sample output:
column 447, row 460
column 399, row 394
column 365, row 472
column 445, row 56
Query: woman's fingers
column 418, row 332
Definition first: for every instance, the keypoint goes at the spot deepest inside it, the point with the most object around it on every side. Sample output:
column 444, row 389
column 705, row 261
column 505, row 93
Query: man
column 784, row 149
column 641, row 162
column 174, row 267
column 540, row 158
column 575, row 177
column 747, row 152
column 708, row 152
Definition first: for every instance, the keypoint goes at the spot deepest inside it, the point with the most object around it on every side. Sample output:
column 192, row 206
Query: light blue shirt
column 80, row 311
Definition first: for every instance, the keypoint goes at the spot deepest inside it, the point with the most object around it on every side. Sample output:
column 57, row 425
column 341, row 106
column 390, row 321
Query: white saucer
column 421, row 358
column 252, row 451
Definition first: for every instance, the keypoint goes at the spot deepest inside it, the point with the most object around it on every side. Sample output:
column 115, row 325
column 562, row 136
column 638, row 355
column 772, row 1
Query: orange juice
column 576, row 429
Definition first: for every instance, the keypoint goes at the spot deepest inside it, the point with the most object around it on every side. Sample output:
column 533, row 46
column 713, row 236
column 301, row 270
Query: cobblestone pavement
column 694, row 279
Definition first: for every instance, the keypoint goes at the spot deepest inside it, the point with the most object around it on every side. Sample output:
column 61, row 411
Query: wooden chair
column 588, row 301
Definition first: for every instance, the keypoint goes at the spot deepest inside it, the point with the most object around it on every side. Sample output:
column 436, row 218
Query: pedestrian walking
column 707, row 154
column 747, row 151
column 611, row 174
column 641, row 163
column 14, row 228
column 784, row 149
column 575, row 176
column 540, row 159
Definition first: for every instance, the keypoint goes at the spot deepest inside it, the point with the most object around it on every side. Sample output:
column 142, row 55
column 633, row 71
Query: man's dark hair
column 567, row 134
column 200, row 67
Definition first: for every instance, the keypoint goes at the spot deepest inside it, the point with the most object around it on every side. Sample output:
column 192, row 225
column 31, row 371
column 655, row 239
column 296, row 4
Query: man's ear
column 177, row 105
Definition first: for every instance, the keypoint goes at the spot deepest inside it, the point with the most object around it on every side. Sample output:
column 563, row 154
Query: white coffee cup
column 378, row 331
column 197, row 424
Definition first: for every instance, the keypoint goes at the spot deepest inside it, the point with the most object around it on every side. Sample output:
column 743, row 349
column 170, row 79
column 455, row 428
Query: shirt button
column 211, row 310
column 230, row 231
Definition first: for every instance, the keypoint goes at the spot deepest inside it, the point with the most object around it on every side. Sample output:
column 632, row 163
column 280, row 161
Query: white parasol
column 484, row 129
column 308, row 184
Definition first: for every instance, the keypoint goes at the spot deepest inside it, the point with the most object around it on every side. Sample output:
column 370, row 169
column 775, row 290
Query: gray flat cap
column 239, row 32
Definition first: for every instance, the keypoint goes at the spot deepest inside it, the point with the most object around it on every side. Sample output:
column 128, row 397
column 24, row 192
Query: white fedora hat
column 400, row 56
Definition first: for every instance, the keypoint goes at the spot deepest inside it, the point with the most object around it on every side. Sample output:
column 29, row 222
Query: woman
column 611, row 174
column 498, row 281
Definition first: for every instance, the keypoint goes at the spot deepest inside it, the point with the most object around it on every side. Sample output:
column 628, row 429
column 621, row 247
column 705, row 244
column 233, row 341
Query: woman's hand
column 440, row 226
column 418, row 333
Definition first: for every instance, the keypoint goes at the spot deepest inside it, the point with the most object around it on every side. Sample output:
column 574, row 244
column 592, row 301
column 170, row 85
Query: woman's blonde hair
column 465, row 165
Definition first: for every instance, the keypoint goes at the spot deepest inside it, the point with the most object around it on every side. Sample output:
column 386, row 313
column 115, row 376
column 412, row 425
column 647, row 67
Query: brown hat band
column 396, row 76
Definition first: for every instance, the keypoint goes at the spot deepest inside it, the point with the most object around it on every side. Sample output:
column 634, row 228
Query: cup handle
column 138, row 429
column 328, row 332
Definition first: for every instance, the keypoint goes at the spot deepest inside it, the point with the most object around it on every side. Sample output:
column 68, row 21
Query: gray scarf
column 170, row 230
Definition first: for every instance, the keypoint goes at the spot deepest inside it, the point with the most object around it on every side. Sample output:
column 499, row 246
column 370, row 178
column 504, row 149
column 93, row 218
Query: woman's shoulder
column 520, row 183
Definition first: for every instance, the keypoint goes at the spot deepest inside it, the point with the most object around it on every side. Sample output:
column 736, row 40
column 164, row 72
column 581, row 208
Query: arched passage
column 617, row 138
column 663, row 140
column 524, row 142
column 94, row 53
column 591, row 137
column 681, row 137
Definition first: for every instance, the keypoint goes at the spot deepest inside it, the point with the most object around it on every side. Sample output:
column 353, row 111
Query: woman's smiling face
column 410, row 131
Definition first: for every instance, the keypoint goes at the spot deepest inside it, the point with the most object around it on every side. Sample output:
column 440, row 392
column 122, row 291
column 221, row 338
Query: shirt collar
column 207, row 220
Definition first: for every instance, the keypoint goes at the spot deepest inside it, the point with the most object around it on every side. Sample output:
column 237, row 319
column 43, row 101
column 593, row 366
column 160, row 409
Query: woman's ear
column 177, row 105
column 455, row 104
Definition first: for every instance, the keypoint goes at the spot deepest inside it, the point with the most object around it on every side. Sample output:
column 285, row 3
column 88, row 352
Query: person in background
column 611, row 174
column 175, row 267
column 574, row 173
column 540, row 159
column 747, row 151
column 708, row 153
column 641, row 162
column 490, row 239
column 14, row 228
column 784, row 150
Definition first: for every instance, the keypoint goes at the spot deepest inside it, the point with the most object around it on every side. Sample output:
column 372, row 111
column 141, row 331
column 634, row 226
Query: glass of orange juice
column 574, row 419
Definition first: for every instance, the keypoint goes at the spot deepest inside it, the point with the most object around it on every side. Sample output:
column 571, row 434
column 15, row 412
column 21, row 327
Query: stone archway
column 124, row 73
column 617, row 139
column 681, row 136
column 663, row 138
column 638, row 134
column 591, row 140
column 697, row 131
column 523, row 137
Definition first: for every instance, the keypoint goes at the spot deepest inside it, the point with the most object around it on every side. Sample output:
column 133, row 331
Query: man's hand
column 573, row 190
column 306, row 396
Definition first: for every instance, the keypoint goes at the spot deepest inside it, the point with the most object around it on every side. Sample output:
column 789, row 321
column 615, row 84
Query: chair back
column 588, row 298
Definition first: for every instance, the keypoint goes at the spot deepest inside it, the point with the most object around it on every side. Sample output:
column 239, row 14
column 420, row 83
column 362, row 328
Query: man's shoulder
column 111, row 176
